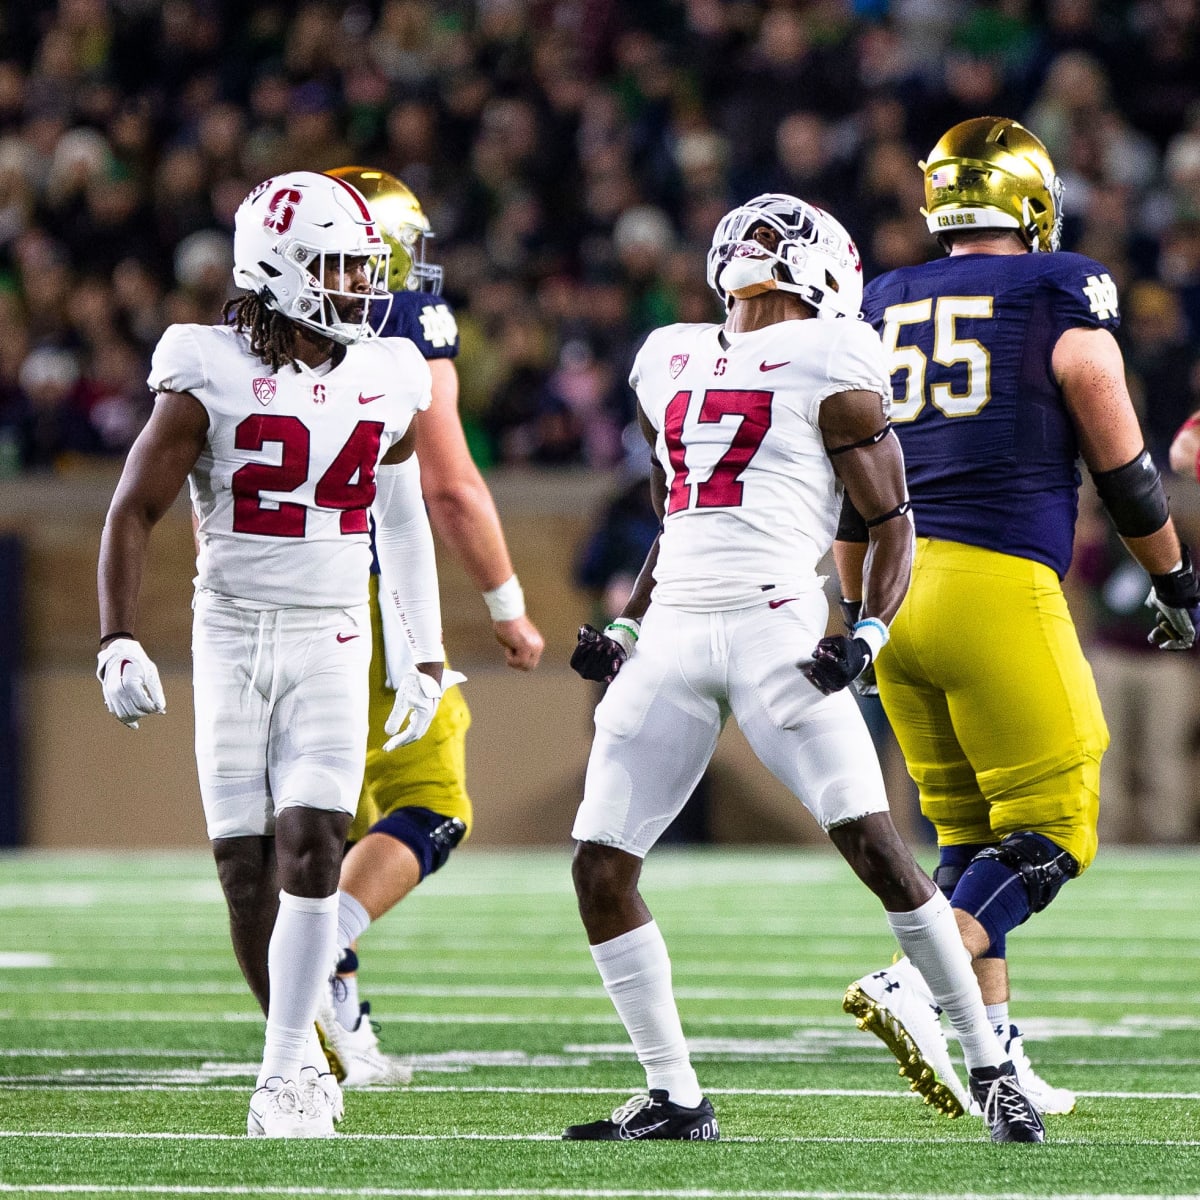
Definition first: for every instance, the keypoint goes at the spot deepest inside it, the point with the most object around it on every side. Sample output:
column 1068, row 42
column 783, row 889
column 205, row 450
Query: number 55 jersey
column 989, row 446
column 752, row 498
column 283, row 485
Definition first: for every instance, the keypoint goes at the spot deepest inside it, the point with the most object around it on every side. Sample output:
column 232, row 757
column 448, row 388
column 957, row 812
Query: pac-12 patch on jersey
column 989, row 446
column 427, row 320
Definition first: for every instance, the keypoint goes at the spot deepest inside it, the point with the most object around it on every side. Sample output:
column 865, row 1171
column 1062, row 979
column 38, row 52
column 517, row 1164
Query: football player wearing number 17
column 756, row 426
column 1005, row 371
column 290, row 424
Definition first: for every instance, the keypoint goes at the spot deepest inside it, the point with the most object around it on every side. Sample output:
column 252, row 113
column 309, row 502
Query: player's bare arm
column 872, row 472
column 599, row 656
column 867, row 459
column 1088, row 366
column 1091, row 372
column 156, row 468
column 463, row 513
column 639, row 598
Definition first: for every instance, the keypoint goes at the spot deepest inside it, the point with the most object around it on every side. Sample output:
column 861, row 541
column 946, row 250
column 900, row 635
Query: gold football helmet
column 404, row 226
column 992, row 173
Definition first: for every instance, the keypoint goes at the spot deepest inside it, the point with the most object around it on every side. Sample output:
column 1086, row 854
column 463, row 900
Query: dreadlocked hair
column 272, row 335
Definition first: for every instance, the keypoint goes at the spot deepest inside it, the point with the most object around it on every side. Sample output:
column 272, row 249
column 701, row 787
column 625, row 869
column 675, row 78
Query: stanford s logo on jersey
column 264, row 390
column 678, row 362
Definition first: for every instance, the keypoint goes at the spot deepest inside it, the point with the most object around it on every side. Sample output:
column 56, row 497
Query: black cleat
column 1007, row 1111
column 650, row 1117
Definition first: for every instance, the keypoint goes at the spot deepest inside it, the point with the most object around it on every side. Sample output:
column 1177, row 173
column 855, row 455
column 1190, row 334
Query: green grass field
column 128, row 1043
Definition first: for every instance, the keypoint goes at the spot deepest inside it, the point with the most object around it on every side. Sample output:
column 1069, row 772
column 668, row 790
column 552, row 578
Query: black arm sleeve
column 1134, row 496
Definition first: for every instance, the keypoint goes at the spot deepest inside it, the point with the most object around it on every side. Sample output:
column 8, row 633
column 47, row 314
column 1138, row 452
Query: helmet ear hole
column 831, row 282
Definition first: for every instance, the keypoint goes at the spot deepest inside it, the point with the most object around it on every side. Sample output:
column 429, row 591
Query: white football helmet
column 814, row 256
column 290, row 232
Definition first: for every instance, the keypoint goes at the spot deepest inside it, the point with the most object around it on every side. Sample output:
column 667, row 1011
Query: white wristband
column 874, row 632
column 506, row 602
column 625, row 632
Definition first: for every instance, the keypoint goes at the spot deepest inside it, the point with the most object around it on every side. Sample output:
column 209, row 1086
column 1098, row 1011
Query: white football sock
column 298, row 957
column 929, row 936
column 998, row 1015
column 352, row 920
column 346, row 1004
column 636, row 971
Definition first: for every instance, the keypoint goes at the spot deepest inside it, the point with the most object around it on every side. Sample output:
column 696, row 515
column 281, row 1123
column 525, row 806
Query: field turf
column 128, row 1042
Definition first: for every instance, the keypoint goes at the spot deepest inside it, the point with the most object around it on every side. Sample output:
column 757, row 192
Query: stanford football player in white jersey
column 756, row 427
column 292, row 425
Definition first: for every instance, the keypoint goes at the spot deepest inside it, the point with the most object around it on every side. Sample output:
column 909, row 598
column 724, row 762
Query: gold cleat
column 872, row 1016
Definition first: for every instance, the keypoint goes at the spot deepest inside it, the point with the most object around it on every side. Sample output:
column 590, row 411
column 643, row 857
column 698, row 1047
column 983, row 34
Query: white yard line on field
column 60, row 1083
column 107, row 1135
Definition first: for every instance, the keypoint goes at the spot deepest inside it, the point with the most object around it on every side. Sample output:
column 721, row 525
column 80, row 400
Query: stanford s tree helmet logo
column 281, row 210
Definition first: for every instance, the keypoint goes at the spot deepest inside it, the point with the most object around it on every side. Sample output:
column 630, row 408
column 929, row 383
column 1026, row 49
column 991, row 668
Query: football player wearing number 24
column 292, row 425
column 1005, row 372
column 756, row 426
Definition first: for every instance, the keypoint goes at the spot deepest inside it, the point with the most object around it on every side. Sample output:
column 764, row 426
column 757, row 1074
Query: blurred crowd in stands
column 573, row 157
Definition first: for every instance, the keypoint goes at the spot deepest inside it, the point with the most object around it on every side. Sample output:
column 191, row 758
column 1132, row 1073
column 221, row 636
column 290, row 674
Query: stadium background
column 573, row 157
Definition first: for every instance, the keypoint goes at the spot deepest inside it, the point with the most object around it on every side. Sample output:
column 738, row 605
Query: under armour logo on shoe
column 889, row 984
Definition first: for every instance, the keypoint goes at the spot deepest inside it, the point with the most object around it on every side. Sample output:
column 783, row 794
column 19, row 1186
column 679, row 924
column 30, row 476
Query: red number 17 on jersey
column 723, row 487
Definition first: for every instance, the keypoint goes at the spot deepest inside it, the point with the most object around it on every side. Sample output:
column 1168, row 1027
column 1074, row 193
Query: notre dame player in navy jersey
column 1004, row 373
column 414, row 808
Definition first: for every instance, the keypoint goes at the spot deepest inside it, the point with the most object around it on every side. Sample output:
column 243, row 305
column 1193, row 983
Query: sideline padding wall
column 88, row 782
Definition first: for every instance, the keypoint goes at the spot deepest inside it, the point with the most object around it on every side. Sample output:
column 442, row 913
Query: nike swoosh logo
column 766, row 366
column 346, row 637
column 367, row 399
column 780, row 603
column 631, row 1135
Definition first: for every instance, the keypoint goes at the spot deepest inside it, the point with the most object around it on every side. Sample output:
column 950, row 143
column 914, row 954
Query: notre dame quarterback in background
column 414, row 808
column 1004, row 373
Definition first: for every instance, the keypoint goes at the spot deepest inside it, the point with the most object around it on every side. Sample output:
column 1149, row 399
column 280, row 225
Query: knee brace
column 1043, row 867
column 429, row 835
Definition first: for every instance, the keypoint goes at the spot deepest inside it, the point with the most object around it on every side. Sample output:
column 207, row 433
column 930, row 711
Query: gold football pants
column 992, row 700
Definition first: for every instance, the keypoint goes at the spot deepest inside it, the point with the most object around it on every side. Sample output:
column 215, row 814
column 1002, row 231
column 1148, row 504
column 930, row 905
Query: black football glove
column 597, row 656
column 1176, row 596
column 865, row 684
column 836, row 663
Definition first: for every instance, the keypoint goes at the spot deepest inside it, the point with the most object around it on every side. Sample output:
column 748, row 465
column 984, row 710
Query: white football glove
column 130, row 681
column 417, row 700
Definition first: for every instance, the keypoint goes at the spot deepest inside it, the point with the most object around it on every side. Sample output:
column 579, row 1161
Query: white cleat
column 282, row 1108
column 312, row 1082
column 1050, row 1101
column 354, row 1054
column 895, row 1004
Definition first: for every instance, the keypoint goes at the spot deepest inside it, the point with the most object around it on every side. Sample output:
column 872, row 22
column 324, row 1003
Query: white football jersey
column 752, row 498
column 283, row 485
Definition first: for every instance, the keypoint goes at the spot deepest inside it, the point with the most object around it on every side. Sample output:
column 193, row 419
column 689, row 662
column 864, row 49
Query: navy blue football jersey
column 989, row 447
column 427, row 320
